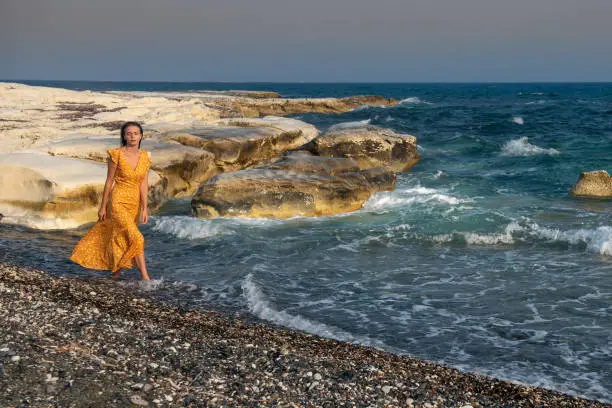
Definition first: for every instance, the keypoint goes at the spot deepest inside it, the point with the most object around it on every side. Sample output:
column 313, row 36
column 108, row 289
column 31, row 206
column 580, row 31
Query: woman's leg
column 142, row 266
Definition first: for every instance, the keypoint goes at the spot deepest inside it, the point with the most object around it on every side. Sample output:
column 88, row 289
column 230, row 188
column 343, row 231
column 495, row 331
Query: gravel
column 68, row 342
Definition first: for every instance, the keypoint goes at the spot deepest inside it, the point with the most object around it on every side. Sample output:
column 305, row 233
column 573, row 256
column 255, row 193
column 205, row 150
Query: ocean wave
column 518, row 120
column 596, row 240
column 349, row 125
column 185, row 227
column 414, row 100
column 473, row 238
column 418, row 195
column 438, row 174
column 261, row 307
column 522, row 147
column 539, row 102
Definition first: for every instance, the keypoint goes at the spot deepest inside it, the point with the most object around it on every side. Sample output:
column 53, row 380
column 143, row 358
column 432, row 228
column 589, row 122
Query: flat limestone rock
column 45, row 191
column 369, row 146
column 298, row 185
column 36, row 115
column 183, row 167
column 244, row 144
column 253, row 107
column 593, row 184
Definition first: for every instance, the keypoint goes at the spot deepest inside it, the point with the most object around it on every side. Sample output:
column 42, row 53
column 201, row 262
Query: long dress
column 113, row 243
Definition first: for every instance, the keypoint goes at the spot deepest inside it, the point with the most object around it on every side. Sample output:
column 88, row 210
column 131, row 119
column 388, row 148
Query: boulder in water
column 298, row 185
column 593, row 184
column 369, row 146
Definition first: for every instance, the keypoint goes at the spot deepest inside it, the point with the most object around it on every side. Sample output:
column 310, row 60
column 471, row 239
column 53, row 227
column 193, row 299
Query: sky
column 307, row 40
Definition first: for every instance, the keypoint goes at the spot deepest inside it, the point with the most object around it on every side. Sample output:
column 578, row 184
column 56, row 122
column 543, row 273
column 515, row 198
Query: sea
column 480, row 259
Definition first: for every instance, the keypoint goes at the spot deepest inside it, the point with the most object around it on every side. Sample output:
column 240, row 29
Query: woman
column 114, row 242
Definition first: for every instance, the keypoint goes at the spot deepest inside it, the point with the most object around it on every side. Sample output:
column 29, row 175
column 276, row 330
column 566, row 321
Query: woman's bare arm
column 108, row 185
column 144, row 194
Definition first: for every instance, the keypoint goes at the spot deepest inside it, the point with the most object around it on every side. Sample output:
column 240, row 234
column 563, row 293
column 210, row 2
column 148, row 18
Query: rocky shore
column 55, row 142
column 67, row 342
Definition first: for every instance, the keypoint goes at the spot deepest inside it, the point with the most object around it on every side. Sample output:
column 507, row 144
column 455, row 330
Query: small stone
column 137, row 386
column 309, row 374
column 255, row 388
column 172, row 349
column 467, row 406
column 51, row 378
column 428, row 405
column 318, row 377
column 153, row 365
column 409, row 401
column 92, row 293
column 137, row 400
column 168, row 398
column 14, row 359
column 386, row 389
column 147, row 387
column 314, row 384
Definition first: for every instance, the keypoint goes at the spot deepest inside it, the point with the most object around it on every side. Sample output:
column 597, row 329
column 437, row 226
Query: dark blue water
column 480, row 259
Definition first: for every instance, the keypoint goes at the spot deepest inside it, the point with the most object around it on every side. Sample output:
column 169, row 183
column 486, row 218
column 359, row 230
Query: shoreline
column 74, row 342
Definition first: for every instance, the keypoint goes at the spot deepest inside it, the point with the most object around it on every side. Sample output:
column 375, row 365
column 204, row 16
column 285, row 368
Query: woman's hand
column 144, row 216
column 102, row 214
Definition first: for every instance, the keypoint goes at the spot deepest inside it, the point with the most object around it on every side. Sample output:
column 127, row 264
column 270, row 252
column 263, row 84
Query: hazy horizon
column 319, row 41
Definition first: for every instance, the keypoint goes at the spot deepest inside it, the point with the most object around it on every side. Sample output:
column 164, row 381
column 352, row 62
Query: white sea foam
column 522, row 147
column 261, row 307
column 416, row 195
column 188, row 227
column 414, row 100
column 185, row 227
column 518, row 120
column 349, row 125
column 473, row 238
column 361, row 107
column 597, row 240
column 539, row 102
column 438, row 174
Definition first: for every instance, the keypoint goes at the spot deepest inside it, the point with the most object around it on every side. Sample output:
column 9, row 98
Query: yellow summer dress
column 113, row 243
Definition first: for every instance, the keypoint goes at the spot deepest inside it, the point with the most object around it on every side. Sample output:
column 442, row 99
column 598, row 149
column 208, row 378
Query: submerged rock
column 298, row 185
column 334, row 173
column 370, row 146
column 593, row 184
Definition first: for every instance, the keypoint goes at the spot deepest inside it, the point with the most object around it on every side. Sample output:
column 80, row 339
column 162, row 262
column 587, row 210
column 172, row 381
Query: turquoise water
column 479, row 259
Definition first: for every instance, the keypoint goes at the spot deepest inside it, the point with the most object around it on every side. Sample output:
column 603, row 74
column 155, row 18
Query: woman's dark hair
column 124, row 128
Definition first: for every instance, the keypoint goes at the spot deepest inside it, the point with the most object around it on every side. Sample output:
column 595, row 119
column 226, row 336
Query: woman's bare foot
column 142, row 267
column 116, row 274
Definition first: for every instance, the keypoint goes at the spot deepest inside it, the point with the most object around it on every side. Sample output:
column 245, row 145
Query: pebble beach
column 70, row 342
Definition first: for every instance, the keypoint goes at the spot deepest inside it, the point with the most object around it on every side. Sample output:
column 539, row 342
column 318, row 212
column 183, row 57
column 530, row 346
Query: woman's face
column 132, row 136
